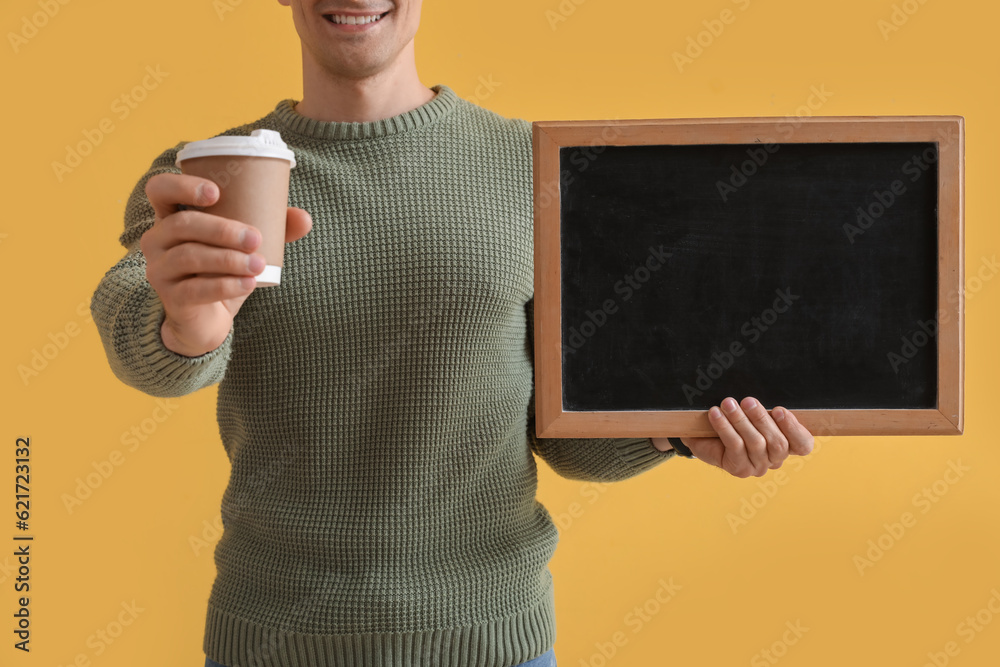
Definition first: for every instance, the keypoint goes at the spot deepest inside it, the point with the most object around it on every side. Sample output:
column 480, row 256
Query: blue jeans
column 547, row 659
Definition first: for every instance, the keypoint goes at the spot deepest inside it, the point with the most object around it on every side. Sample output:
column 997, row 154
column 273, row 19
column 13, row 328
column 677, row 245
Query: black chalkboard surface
column 805, row 273
column 813, row 304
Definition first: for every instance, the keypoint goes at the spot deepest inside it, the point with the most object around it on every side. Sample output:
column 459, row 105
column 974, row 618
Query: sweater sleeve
column 589, row 459
column 128, row 312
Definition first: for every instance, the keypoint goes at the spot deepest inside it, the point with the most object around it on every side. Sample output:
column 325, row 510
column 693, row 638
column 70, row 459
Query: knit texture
column 377, row 406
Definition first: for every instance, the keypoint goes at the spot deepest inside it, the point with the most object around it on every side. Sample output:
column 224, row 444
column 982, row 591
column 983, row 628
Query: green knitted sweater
column 377, row 406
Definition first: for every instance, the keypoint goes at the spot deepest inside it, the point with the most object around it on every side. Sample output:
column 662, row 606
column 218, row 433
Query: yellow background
column 135, row 538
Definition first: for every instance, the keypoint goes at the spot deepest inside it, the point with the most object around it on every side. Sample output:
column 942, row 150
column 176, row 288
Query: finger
column 800, row 440
column 166, row 191
column 208, row 229
column 297, row 224
column 199, row 290
column 734, row 458
column 777, row 444
column 189, row 259
column 753, row 441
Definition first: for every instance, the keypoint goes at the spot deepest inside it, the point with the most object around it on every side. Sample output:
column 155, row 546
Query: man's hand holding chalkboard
column 751, row 441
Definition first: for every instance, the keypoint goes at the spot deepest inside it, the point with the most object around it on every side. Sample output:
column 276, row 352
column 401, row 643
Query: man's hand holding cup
column 209, row 246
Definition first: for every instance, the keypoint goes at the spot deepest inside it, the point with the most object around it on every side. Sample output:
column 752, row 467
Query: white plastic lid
column 260, row 143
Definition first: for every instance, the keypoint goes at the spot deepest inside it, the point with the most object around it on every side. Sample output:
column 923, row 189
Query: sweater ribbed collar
column 425, row 114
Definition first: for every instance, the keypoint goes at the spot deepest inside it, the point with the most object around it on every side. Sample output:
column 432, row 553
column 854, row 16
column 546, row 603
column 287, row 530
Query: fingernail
column 714, row 412
column 256, row 263
column 248, row 239
column 729, row 404
column 206, row 192
column 779, row 414
column 751, row 404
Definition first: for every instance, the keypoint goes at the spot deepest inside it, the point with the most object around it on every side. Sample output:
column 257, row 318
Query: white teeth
column 356, row 20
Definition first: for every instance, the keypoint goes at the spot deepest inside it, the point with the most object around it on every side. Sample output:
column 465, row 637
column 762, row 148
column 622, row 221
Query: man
column 377, row 406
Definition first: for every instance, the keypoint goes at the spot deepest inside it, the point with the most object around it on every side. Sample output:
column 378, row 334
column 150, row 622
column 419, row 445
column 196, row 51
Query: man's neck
column 391, row 92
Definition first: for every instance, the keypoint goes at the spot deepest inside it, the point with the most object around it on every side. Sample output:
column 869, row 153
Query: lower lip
column 347, row 27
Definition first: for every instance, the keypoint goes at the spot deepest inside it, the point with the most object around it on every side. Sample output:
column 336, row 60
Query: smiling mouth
column 354, row 20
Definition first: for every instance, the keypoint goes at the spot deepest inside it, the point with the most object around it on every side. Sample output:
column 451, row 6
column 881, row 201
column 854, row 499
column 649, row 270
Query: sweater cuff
column 173, row 367
column 640, row 453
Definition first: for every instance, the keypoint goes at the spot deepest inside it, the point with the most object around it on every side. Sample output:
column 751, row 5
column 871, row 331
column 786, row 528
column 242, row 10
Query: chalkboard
column 820, row 272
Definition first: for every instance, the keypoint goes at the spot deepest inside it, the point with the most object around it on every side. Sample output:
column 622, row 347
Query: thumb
column 297, row 224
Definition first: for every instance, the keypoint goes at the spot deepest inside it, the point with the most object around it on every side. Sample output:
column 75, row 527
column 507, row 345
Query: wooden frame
column 549, row 136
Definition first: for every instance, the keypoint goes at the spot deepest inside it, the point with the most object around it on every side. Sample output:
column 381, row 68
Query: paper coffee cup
column 253, row 175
